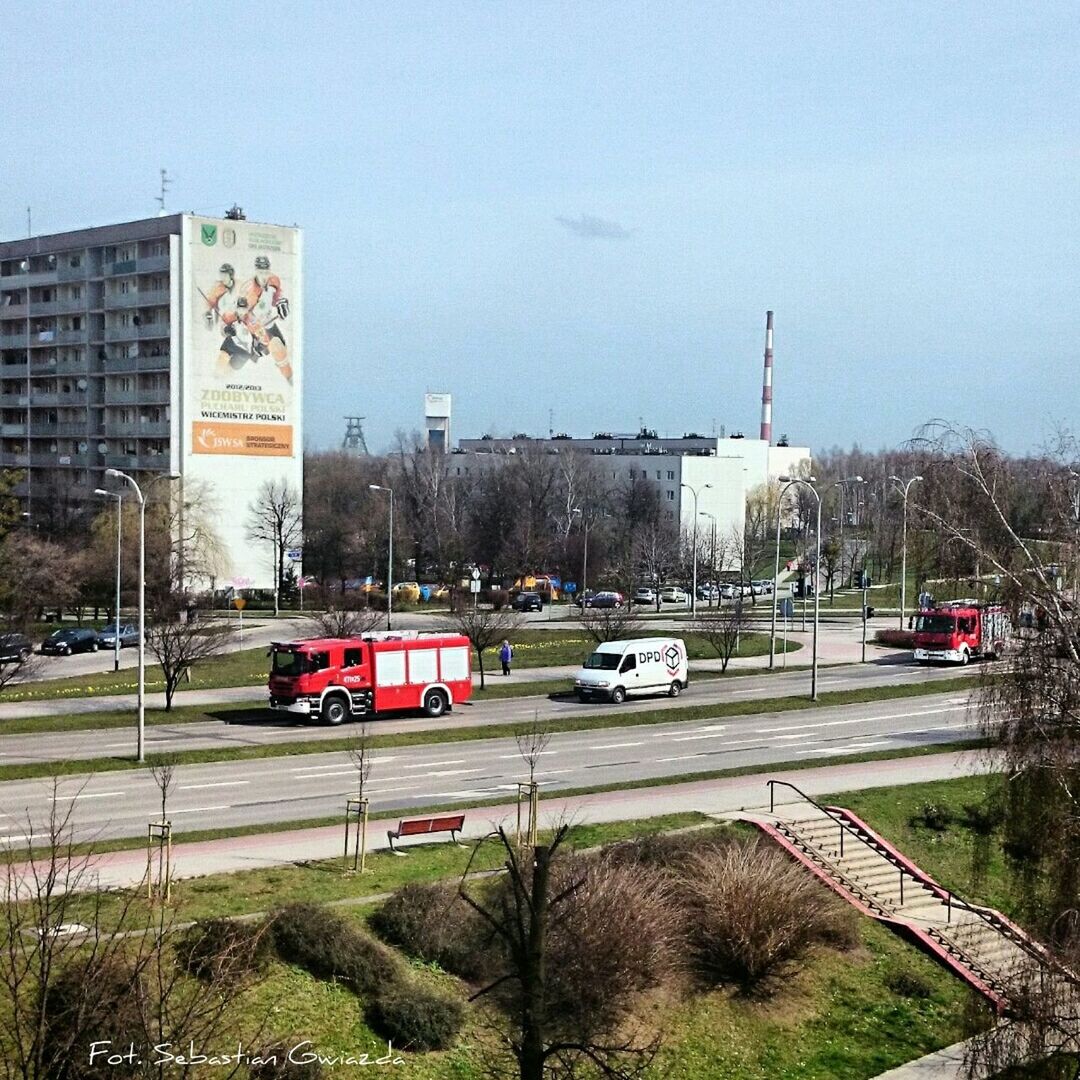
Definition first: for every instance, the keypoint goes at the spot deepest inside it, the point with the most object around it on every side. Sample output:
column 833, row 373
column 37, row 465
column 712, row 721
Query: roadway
column 264, row 728
column 284, row 789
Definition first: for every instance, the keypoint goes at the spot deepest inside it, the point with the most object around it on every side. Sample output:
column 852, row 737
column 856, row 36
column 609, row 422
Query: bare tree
column 346, row 616
column 179, row 643
column 720, row 629
column 484, row 627
column 576, row 943
column 611, row 624
column 163, row 773
column 275, row 518
column 362, row 758
column 655, row 553
column 532, row 743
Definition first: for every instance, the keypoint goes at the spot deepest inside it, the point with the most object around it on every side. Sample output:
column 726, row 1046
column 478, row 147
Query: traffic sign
column 476, row 573
column 474, row 585
column 296, row 554
column 239, row 603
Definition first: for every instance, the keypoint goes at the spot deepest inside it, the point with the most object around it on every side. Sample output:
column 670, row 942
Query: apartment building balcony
column 150, row 264
column 15, row 311
column 148, row 429
column 154, row 395
column 13, row 339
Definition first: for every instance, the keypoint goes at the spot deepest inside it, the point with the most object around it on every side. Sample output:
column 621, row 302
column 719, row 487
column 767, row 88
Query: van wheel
column 335, row 709
column 435, row 703
column 94, row 647
column 675, row 689
column 618, row 696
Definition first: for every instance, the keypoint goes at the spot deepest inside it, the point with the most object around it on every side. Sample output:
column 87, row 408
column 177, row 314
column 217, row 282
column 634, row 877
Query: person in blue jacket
column 506, row 654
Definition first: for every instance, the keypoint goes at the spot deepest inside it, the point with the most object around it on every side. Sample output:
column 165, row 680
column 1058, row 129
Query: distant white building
column 722, row 471
column 437, row 409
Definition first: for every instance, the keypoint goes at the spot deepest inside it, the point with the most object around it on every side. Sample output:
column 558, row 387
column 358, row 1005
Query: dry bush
column 330, row 947
column 432, row 922
column 616, row 938
column 752, row 915
column 414, row 1017
column 224, row 950
column 666, row 851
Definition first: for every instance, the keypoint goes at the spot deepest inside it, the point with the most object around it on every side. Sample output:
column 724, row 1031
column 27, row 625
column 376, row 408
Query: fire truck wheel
column 335, row 709
column 435, row 703
column 964, row 657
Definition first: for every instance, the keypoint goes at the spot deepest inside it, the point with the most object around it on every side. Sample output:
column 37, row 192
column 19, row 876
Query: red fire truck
column 960, row 630
column 335, row 678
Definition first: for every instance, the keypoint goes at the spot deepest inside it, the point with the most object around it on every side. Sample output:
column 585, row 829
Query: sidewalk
column 723, row 797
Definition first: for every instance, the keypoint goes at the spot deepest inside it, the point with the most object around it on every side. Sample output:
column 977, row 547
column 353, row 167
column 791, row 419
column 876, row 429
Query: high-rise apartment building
column 171, row 344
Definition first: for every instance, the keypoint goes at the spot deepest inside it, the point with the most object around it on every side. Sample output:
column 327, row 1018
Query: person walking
column 506, row 654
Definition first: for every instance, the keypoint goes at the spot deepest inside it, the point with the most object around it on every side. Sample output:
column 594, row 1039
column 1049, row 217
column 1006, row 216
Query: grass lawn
column 249, row 667
column 837, row 1019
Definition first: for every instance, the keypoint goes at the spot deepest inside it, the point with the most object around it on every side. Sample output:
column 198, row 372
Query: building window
column 670, row 474
column 657, row 474
column 76, row 322
column 75, row 261
column 124, row 287
column 670, row 515
column 670, row 495
column 76, row 292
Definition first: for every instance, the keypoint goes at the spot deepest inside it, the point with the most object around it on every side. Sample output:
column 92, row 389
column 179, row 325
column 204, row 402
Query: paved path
column 718, row 797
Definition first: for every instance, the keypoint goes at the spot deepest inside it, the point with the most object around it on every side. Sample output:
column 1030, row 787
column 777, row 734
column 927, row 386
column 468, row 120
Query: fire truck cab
column 337, row 678
column 961, row 630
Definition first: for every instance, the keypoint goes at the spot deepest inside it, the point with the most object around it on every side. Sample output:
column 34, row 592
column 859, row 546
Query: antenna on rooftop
column 166, row 181
column 29, row 227
column 354, row 441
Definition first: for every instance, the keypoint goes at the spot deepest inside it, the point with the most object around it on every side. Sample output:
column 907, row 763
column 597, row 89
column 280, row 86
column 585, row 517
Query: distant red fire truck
column 961, row 630
column 337, row 678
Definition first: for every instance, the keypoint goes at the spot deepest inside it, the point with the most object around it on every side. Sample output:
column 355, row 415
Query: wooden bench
column 451, row 823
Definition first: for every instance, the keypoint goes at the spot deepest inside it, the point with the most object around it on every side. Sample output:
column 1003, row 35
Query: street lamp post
column 712, row 556
column 116, row 610
column 808, row 483
column 693, row 594
column 585, row 552
column 776, row 575
column 141, row 742
column 390, row 557
column 904, row 487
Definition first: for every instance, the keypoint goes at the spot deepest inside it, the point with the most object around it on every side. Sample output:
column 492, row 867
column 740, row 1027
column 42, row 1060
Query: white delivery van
column 643, row 666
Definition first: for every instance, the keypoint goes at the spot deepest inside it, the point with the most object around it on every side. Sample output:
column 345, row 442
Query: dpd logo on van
column 672, row 656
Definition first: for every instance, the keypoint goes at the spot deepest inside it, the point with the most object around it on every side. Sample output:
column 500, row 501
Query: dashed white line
column 613, row 746
column 200, row 809
column 220, row 783
column 431, row 764
column 88, row 795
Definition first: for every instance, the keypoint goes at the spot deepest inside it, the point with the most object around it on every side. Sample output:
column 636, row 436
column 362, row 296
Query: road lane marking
column 87, row 795
column 431, row 764
column 220, row 783
column 613, row 746
column 200, row 809
column 337, row 765
column 511, row 757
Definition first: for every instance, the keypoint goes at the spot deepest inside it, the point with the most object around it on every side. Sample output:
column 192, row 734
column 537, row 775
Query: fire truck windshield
column 936, row 624
column 287, row 662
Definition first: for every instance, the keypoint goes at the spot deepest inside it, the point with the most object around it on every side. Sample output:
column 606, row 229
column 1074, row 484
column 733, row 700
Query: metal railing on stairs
column 987, row 915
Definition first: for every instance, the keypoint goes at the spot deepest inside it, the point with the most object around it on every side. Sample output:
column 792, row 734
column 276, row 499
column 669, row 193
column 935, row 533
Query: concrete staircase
column 980, row 945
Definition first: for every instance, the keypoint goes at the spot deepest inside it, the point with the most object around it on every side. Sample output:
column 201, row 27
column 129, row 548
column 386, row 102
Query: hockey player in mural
column 249, row 316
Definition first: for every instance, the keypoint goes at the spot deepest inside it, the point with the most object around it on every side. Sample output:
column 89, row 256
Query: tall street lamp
column 390, row 557
column 116, row 610
column 712, row 556
column 842, row 485
column 693, row 595
column 776, row 569
column 142, row 594
column 904, row 487
column 809, row 485
column 585, row 553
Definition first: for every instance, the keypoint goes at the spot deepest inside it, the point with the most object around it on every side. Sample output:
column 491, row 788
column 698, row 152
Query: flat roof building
column 170, row 344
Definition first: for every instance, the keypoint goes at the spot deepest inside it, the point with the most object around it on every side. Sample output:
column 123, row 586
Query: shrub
column 329, row 947
column 901, row 639
column 416, row 1018
column 752, row 915
column 90, row 1003
column 432, row 922
column 664, row 850
column 933, row 816
column 907, row 985
column 983, row 819
column 224, row 949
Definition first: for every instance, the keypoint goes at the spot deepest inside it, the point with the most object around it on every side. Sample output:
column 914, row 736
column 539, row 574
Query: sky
column 576, row 214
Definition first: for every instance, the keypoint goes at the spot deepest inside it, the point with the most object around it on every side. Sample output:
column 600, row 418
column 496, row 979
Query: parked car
column 582, row 598
column 708, row 592
column 728, row 591
column 644, row 595
column 605, row 600
column 129, row 635
column 66, row 642
column 766, row 586
column 15, row 648
column 527, row 601
column 407, row 590
column 672, row 594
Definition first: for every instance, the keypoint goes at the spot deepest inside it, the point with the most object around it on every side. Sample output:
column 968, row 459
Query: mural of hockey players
column 266, row 305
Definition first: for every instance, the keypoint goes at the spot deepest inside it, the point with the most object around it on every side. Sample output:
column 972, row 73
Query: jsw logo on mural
column 209, row 439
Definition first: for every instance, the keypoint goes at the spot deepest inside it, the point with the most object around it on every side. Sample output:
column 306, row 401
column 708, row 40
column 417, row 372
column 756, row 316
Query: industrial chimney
column 766, row 384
